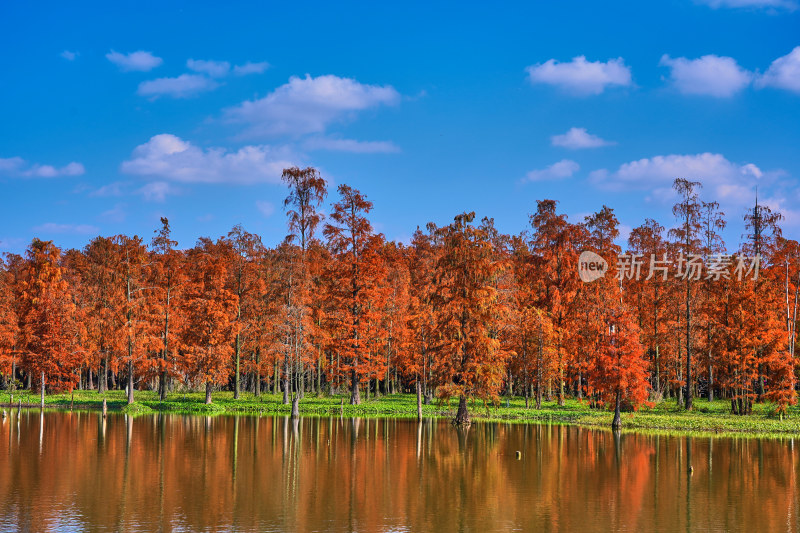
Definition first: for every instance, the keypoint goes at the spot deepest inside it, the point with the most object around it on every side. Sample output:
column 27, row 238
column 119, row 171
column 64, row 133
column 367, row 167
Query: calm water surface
column 76, row 472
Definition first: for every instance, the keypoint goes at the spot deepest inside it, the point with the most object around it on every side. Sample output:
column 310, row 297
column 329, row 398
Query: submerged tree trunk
column 462, row 415
column 208, row 393
column 617, row 423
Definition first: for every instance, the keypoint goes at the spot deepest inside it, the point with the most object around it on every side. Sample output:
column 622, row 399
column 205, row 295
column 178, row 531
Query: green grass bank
column 706, row 417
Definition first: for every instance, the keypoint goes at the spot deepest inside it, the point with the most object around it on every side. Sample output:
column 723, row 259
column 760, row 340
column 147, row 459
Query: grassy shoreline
column 706, row 418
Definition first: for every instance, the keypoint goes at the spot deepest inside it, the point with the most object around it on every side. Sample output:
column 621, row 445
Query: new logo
column 591, row 267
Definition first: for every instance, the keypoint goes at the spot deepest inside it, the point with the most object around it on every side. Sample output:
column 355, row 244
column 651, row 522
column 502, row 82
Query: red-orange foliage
column 49, row 333
column 470, row 359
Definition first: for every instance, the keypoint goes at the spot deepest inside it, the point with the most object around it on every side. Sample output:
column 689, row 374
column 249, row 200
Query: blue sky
column 115, row 115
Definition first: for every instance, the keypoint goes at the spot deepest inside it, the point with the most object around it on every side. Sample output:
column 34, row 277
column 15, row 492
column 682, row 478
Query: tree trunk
column 296, row 407
column 42, row 390
column 617, row 423
column 688, row 348
column 355, row 394
column 102, row 378
column 236, row 384
column 130, row 381
column 419, row 400
column 162, row 386
column 208, row 393
column 462, row 415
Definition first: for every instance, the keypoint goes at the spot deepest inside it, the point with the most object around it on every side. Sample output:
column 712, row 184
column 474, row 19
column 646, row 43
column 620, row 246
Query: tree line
column 463, row 311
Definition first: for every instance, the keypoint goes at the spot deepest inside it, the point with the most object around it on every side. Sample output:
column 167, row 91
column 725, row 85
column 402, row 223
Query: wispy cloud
column 69, row 56
column 557, row 171
column 581, row 77
column 171, row 158
column 709, row 75
column 78, row 229
column 351, row 145
column 266, row 208
column 250, row 68
column 578, row 138
column 789, row 5
column 18, row 167
column 215, row 69
column 140, row 61
column 183, row 86
column 309, row 105
column 157, row 191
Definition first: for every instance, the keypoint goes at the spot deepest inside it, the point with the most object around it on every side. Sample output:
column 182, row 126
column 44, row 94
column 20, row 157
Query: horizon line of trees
column 462, row 312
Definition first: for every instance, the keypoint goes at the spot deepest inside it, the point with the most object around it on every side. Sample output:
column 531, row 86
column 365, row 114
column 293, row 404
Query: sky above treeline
column 116, row 114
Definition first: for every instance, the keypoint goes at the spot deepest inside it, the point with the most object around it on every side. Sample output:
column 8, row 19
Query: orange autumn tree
column 555, row 246
column 354, row 276
column 618, row 368
column 167, row 279
column 242, row 251
column 210, row 314
column 49, row 333
column 470, row 360
column 648, row 293
column 531, row 336
column 416, row 363
column 307, row 191
column 9, row 322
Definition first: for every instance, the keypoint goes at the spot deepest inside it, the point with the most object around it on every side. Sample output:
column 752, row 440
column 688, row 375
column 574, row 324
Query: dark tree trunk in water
column 208, row 393
column 617, row 423
column 462, row 415
column 419, row 400
column 355, row 394
column 296, row 407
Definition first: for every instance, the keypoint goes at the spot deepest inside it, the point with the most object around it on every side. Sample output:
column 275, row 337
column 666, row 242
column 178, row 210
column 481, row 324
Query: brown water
column 75, row 472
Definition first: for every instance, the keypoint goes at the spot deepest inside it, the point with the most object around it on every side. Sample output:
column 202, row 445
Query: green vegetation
column 706, row 417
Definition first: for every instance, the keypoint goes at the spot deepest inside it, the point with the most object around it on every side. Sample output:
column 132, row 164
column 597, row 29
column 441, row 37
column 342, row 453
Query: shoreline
column 711, row 419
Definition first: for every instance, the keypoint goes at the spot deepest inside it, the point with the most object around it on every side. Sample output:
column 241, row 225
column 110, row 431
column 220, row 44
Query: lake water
column 73, row 471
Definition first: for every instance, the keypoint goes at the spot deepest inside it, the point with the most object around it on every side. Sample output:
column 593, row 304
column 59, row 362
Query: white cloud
column 351, row 145
column 731, row 184
column 309, row 105
column 758, row 4
column 266, row 208
column 783, row 73
column 140, row 61
column 215, row 69
column 560, row 170
column 250, row 68
column 577, row 138
column 183, row 86
column 169, row 157
column 581, row 77
column 18, row 167
column 69, row 56
column 709, row 75
column 80, row 229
